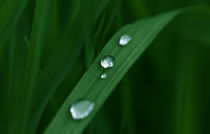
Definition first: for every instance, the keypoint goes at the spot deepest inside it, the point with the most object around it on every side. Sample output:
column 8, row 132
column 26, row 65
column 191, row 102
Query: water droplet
column 124, row 39
column 103, row 76
column 81, row 109
column 107, row 62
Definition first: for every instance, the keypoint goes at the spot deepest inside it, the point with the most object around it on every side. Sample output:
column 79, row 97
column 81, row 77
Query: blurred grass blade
column 91, row 15
column 187, row 95
column 128, row 123
column 190, row 23
column 60, row 63
column 100, row 4
column 9, row 18
column 57, row 68
column 105, row 23
column 52, row 82
column 88, row 31
column 92, row 87
column 38, row 35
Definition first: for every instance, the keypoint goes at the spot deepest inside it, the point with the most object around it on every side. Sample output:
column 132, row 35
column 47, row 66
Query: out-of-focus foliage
column 46, row 46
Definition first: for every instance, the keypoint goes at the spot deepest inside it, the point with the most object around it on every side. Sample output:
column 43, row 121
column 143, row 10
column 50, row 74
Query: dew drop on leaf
column 107, row 62
column 103, row 76
column 124, row 39
column 81, row 109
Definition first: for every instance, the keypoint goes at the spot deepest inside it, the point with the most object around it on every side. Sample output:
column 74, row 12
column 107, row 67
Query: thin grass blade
column 92, row 87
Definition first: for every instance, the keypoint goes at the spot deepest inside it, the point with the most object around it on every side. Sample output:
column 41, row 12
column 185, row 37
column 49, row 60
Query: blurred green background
column 165, row 92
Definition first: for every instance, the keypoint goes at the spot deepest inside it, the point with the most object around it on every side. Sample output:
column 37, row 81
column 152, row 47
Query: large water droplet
column 124, row 39
column 81, row 109
column 107, row 62
column 103, row 76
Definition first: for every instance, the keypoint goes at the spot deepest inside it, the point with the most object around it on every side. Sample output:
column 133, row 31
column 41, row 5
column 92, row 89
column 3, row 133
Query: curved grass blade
column 53, row 81
column 62, row 62
column 57, row 68
column 92, row 87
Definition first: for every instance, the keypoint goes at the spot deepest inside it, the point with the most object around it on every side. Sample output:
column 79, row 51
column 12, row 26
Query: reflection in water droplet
column 81, row 109
column 103, row 76
column 124, row 39
column 107, row 62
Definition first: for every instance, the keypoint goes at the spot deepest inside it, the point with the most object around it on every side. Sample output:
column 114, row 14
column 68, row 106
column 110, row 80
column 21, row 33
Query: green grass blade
column 38, row 36
column 92, row 87
column 105, row 23
column 53, row 81
column 16, row 51
column 16, row 70
column 91, row 15
column 68, row 12
column 60, row 64
column 56, row 69
column 100, row 7
column 88, row 31
column 9, row 18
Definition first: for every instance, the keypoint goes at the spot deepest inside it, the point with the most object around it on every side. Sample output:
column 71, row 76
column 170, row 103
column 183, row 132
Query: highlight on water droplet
column 103, row 76
column 107, row 62
column 124, row 39
column 81, row 109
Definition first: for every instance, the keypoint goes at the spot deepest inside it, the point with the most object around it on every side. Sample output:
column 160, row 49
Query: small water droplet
column 103, row 76
column 81, row 109
column 124, row 39
column 107, row 62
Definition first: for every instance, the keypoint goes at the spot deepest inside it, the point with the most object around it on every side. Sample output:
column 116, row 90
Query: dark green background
column 165, row 92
